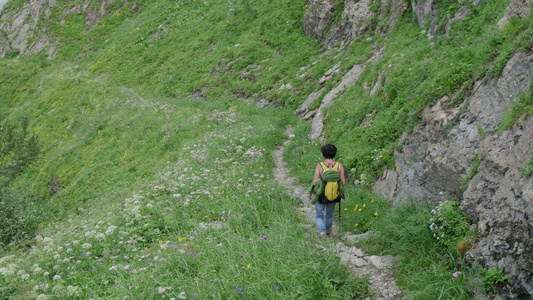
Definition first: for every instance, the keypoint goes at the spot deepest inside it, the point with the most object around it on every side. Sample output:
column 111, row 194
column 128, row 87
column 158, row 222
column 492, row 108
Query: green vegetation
column 527, row 169
column 472, row 171
column 522, row 105
column 143, row 154
column 493, row 279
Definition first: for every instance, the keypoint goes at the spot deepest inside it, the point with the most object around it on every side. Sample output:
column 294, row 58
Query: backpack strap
column 336, row 166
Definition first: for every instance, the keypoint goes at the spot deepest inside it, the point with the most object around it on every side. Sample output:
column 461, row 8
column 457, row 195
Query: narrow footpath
column 379, row 268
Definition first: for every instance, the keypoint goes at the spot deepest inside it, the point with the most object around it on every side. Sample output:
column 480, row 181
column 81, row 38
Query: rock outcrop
column 332, row 22
column 21, row 31
column 317, row 114
column 436, row 157
column 517, row 9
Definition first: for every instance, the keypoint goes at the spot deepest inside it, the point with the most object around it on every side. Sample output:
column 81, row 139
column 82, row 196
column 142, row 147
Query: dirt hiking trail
column 379, row 268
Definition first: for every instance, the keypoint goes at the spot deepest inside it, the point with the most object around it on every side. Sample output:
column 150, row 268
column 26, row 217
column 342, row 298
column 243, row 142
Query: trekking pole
column 339, row 212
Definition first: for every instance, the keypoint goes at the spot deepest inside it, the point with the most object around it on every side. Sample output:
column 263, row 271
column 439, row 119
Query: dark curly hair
column 329, row 151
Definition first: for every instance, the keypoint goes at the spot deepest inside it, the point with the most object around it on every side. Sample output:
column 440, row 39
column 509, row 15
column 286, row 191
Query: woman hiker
column 324, row 207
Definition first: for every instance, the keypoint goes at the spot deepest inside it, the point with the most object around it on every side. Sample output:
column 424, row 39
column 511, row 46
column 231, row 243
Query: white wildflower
column 25, row 277
column 110, row 229
column 6, row 258
column 99, row 236
column 87, row 246
column 58, row 289
column 56, row 277
column 73, row 291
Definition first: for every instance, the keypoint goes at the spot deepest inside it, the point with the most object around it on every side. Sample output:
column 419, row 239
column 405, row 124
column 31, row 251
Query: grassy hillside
column 154, row 161
column 135, row 181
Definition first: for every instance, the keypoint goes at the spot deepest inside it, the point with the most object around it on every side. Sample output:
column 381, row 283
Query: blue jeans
column 324, row 216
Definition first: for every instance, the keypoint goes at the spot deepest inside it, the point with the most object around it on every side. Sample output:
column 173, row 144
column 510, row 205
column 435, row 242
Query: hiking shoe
column 322, row 234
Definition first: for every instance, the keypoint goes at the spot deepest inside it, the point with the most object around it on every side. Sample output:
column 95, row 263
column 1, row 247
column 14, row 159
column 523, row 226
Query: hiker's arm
column 343, row 178
column 317, row 175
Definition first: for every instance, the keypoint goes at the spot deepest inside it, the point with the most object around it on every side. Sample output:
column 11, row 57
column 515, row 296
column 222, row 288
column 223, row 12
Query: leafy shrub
column 492, row 279
column 522, row 105
column 527, row 169
column 11, row 54
column 18, row 148
column 19, row 217
column 476, row 161
column 448, row 223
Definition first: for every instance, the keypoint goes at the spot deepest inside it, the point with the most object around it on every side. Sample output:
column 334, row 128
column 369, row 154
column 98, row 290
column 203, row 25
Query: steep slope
column 466, row 147
column 138, row 175
column 415, row 94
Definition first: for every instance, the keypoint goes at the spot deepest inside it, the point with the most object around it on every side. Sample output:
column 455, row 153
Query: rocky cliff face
column 337, row 21
column 433, row 160
column 20, row 32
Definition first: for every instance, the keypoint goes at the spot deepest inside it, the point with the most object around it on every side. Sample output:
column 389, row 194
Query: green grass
column 209, row 221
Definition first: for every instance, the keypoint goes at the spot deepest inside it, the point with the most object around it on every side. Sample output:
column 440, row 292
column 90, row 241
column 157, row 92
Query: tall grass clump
column 426, row 266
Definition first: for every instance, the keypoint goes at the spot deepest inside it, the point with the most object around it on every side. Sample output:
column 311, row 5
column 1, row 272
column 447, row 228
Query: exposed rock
column 392, row 9
column 347, row 81
column 304, row 111
column 502, row 203
column 430, row 9
column 433, row 158
column 354, row 21
column 516, row 9
column 460, row 15
column 386, row 185
column 324, row 20
column 317, row 17
column 421, row 10
column 377, row 85
column 329, row 73
column 20, row 24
